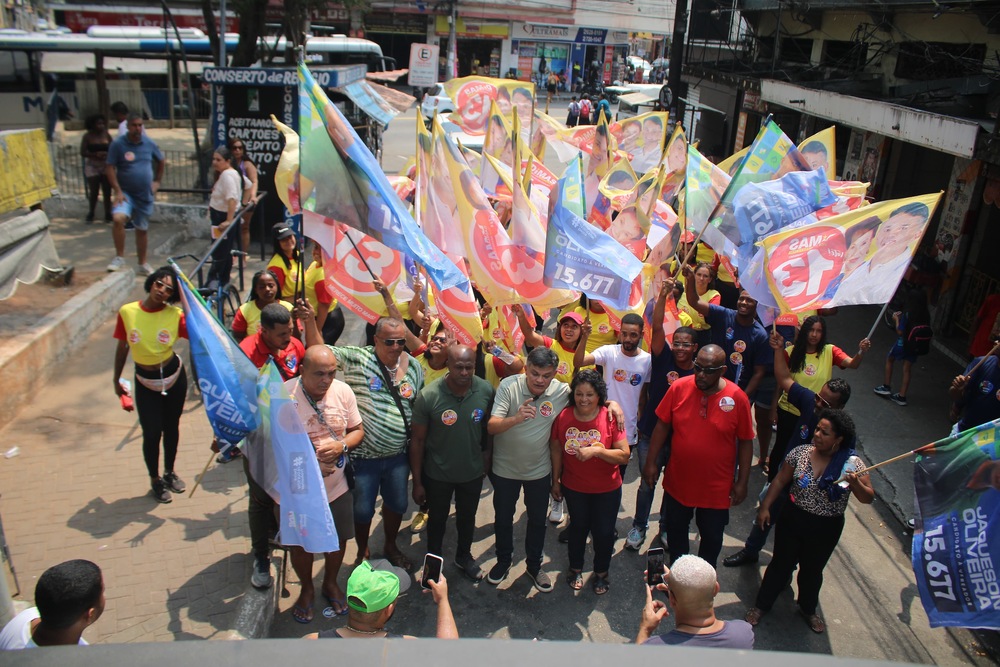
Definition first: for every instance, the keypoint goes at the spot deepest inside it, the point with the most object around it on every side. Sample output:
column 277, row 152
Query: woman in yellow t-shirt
column 564, row 345
column 703, row 277
column 286, row 262
column 149, row 329
column 329, row 318
column 263, row 291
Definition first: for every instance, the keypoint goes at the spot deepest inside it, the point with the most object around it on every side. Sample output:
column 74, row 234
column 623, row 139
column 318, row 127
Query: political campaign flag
column 286, row 173
column 820, row 150
column 582, row 257
column 703, row 187
column 350, row 187
column 347, row 277
column 957, row 532
column 295, row 482
column 733, row 162
column 458, row 310
column 674, row 164
column 226, row 377
column 848, row 259
column 641, row 137
column 473, row 96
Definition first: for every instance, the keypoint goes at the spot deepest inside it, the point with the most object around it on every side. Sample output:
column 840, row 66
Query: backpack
column 574, row 108
column 918, row 340
column 585, row 108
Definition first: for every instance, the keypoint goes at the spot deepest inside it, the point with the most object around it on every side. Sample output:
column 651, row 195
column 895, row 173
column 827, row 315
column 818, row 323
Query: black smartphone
column 432, row 569
column 654, row 566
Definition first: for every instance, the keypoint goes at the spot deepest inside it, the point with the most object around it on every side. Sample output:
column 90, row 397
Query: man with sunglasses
column 385, row 380
column 707, row 420
column 833, row 394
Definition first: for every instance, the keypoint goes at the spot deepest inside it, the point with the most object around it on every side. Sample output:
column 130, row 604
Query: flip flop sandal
column 336, row 607
column 399, row 560
column 815, row 622
column 574, row 579
column 600, row 584
column 302, row 615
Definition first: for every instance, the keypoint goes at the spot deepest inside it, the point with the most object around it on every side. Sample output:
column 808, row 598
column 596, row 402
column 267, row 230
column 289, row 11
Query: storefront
column 581, row 53
column 395, row 33
column 480, row 44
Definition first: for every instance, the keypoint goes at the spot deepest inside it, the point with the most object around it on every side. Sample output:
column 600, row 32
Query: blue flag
column 580, row 256
column 956, row 542
column 342, row 182
column 227, row 379
column 287, row 468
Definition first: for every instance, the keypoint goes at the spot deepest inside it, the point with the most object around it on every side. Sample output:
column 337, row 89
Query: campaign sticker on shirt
column 406, row 389
column 449, row 417
column 672, row 377
column 163, row 337
column 572, row 444
column 562, row 368
column 477, row 415
column 804, row 432
column 727, row 404
column 497, row 334
column 729, row 333
column 603, row 328
column 736, row 358
column 545, row 409
column 810, row 369
column 134, row 336
column 620, row 375
column 635, row 379
column 986, row 386
column 291, row 361
column 593, row 436
column 129, row 156
column 739, row 346
column 375, row 384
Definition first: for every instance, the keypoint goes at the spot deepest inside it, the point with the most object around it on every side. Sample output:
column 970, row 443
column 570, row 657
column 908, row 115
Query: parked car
column 436, row 100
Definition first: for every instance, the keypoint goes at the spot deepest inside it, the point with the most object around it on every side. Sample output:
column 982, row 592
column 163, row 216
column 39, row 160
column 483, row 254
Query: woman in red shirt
column 587, row 449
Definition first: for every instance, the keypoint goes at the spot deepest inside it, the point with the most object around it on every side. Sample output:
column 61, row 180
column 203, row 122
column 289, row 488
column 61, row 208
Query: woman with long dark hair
column 94, row 150
column 149, row 329
column 587, row 449
column 227, row 193
column 286, row 262
column 263, row 291
column 246, row 167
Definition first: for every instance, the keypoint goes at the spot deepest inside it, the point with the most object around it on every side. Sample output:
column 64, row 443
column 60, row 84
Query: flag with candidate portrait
column 957, row 529
column 820, row 150
column 473, row 96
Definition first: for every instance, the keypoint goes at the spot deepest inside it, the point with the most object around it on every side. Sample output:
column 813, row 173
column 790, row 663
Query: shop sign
column 469, row 28
column 591, row 35
column 540, row 32
column 423, row 64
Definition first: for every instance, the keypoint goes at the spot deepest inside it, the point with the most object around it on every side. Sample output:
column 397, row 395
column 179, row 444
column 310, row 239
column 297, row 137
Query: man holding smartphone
column 448, row 452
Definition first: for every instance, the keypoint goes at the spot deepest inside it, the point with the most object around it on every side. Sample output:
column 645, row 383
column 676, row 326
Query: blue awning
column 363, row 95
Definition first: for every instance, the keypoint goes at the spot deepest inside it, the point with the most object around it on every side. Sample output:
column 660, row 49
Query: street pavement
column 78, row 489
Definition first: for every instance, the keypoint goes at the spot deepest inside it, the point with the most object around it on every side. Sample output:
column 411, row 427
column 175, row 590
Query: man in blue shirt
column 976, row 392
column 135, row 168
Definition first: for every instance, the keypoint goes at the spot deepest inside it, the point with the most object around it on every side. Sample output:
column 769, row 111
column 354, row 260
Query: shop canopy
column 381, row 103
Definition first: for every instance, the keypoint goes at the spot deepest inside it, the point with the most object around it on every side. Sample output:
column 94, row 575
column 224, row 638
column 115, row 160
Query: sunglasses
column 822, row 400
column 440, row 339
column 393, row 342
column 163, row 286
column 238, row 147
column 708, row 370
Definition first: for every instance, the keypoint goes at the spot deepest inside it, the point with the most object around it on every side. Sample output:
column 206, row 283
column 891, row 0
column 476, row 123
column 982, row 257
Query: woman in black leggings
column 149, row 329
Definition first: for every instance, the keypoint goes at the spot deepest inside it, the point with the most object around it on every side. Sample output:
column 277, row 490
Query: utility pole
column 222, row 33
column 677, row 58
column 451, row 64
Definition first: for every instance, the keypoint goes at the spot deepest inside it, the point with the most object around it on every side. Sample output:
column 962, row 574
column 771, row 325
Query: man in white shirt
column 69, row 597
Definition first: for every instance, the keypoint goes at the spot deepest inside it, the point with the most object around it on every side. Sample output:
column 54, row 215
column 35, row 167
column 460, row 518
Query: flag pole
column 877, row 320
column 363, row 260
column 197, row 480
column 983, row 358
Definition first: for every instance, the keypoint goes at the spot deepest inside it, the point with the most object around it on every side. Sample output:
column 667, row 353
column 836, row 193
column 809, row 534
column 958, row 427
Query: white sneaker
column 117, row 264
column 556, row 511
column 635, row 538
column 145, row 269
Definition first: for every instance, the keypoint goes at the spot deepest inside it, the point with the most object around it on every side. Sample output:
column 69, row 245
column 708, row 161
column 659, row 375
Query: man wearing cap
column 372, row 590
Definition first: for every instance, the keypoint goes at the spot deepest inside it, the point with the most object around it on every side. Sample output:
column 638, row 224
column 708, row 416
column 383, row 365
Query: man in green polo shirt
column 447, row 453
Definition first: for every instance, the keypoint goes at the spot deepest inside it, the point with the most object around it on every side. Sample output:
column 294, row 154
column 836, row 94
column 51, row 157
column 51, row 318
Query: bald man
column 449, row 452
column 330, row 415
column 691, row 587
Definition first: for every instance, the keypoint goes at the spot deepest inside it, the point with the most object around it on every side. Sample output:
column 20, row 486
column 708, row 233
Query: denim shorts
column 387, row 475
column 899, row 352
column 139, row 212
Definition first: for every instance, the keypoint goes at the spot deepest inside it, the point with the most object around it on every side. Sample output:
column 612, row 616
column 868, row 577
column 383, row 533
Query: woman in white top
column 225, row 199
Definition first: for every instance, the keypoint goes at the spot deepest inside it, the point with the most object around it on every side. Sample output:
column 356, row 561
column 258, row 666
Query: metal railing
column 979, row 285
column 180, row 179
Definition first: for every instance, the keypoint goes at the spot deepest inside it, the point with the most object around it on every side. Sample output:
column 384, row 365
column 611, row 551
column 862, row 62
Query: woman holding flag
column 703, row 276
column 568, row 336
column 286, row 262
column 148, row 329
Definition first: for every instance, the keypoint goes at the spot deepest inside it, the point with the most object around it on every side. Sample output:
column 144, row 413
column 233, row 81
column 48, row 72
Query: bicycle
column 222, row 300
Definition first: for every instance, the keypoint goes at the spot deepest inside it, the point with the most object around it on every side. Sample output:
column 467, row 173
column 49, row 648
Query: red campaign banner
column 348, row 279
column 804, row 264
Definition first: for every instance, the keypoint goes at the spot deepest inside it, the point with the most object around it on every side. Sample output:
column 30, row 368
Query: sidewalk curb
column 256, row 611
column 27, row 360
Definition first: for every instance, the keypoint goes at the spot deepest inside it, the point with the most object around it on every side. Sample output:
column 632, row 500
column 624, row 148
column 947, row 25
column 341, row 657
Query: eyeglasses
column 822, row 400
column 439, row 339
column 393, row 342
column 169, row 289
column 708, row 370
column 238, row 147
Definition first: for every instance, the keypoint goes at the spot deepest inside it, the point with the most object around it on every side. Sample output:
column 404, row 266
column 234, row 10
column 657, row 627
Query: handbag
column 347, row 465
column 396, row 397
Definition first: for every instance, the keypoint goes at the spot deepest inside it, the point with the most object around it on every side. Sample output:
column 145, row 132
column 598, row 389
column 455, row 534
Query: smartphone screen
column 432, row 569
column 654, row 566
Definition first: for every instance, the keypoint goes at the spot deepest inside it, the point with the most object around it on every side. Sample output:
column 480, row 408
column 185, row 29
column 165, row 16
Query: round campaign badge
column 134, row 336
column 672, row 377
column 572, row 433
column 727, row 404
column 163, row 337
column 562, row 368
column 736, row 358
column 620, row 375
column 497, row 334
column 406, row 390
column 729, row 333
column 545, row 409
column 593, row 436
column 635, row 379
column 739, row 346
column 986, row 386
column 129, row 156
column 374, row 384
column 572, row 444
column 810, row 369
column 449, row 417
column 804, row 432
column 603, row 328
column 477, row 415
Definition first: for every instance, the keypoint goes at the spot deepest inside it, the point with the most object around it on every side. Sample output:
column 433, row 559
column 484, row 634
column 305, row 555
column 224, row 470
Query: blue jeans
column 711, row 524
column 388, row 475
column 644, row 494
column 758, row 536
column 536, row 503
column 596, row 514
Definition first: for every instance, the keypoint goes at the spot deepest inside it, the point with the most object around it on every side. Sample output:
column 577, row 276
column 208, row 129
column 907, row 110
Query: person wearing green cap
column 372, row 590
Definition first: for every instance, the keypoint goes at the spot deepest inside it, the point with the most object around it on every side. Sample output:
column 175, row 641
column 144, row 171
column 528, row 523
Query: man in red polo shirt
column 709, row 419
column 273, row 341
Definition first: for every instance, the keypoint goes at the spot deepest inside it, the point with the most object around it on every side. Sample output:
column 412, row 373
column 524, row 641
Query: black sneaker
column 469, row 568
column 742, row 557
column 173, row 482
column 261, row 578
column 541, row 580
column 498, row 573
column 160, row 491
column 564, row 536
